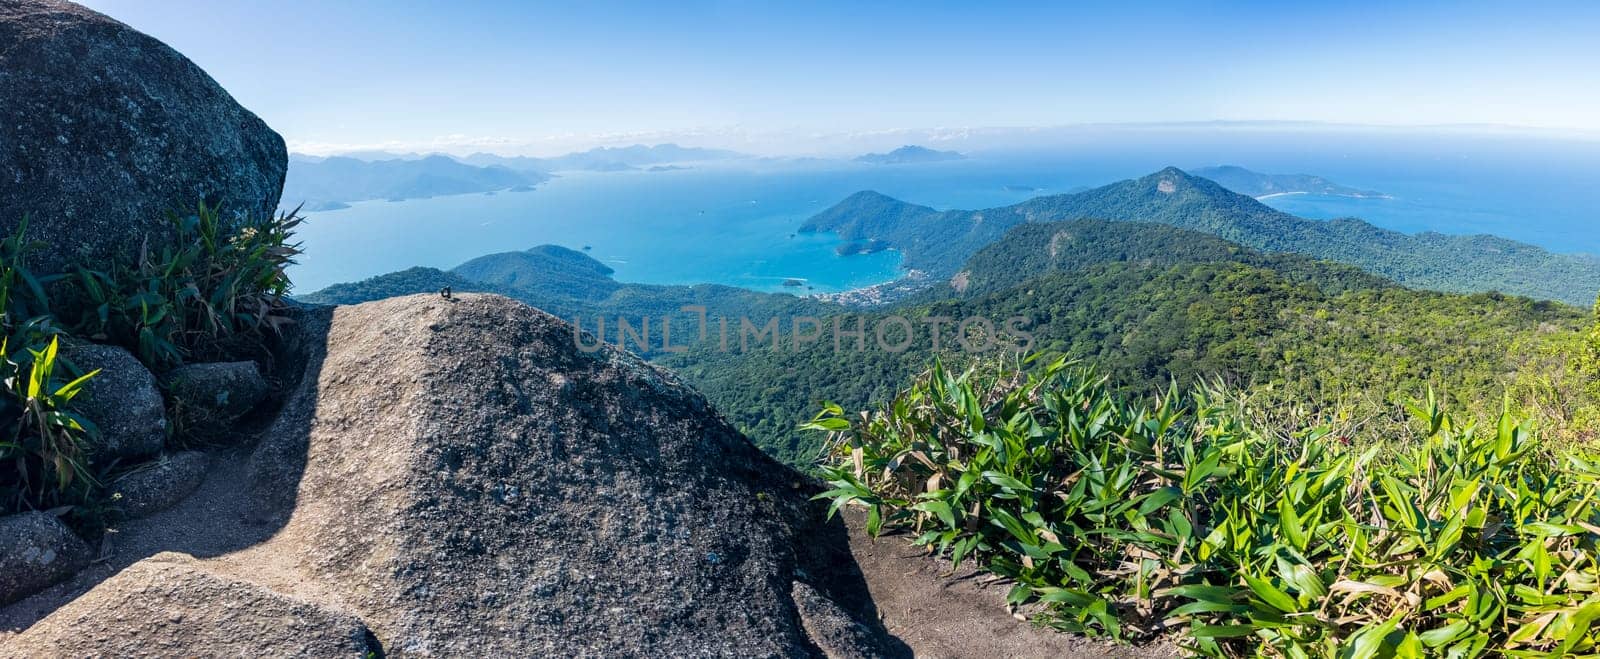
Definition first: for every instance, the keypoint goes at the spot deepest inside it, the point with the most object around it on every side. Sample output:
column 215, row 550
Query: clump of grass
column 1183, row 517
column 215, row 291
column 43, row 443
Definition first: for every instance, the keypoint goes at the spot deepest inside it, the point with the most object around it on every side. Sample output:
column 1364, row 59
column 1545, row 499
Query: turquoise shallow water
column 733, row 223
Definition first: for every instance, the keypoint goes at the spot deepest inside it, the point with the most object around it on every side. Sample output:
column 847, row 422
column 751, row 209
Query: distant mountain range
column 939, row 241
column 909, row 154
column 329, row 183
column 606, row 159
column 1258, row 185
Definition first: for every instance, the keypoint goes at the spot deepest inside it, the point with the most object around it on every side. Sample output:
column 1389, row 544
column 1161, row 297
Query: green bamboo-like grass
column 215, row 290
column 1186, row 517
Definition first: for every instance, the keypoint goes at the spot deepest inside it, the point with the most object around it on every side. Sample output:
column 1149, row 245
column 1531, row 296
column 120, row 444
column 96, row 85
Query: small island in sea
column 794, row 283
column 909, row 154
column 1262, row 186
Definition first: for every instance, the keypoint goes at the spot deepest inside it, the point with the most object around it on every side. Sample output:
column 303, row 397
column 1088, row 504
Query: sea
column 735, row 222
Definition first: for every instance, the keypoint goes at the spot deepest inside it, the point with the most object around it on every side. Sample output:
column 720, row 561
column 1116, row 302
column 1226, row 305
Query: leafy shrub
column 1185, row 518
column 42, row 441
column 209, row 293
column 212, row 292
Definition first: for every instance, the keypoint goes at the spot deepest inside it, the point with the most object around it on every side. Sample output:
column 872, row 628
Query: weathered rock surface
column 106, row 130
column 160, row 484
column 123, row 401
column 37, row 550
column 171, row 605
column 223, row 389
column 465, row 480
column 832, row 629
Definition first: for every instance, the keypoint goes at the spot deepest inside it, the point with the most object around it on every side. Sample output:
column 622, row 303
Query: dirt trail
column 959, row 615
column 215, row 520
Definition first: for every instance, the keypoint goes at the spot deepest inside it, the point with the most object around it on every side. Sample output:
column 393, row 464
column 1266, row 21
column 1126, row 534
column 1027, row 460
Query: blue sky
column 541, row 77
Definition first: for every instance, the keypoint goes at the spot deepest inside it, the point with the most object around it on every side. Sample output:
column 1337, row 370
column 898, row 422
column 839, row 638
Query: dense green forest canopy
column 1334, row 342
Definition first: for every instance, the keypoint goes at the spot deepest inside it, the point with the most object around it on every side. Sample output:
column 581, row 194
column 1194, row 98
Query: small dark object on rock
column 37, row 550
column 445, row 292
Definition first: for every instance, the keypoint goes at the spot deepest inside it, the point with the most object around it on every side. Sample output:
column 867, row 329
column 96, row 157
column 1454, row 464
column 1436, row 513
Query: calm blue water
column 733, row 223
column 725, row 224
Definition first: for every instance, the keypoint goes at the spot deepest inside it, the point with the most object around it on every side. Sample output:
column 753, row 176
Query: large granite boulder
column 123, row 400
column 470, row 483
column 104, row 130
column 37, row 550
column 171, row 605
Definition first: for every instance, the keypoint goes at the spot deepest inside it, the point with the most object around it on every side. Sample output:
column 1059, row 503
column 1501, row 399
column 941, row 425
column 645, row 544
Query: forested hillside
column 1323, row 339
column 940, row 241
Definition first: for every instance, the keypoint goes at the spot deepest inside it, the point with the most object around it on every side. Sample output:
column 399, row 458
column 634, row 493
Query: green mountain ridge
column 939, row 241
column 1151, row 305
column 1032, row 250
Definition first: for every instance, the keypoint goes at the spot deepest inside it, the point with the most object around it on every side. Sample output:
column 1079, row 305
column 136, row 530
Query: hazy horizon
column 845, row 145
column 830, row 79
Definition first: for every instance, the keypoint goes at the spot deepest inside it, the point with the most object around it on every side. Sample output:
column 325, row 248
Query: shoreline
column 1342, row 195
column 912, row 282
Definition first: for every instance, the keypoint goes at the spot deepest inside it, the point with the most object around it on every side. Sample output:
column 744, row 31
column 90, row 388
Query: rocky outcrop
column 122, row 400
column 107, row 130
column 171, row 605
column 36, row 550
column 466, row 480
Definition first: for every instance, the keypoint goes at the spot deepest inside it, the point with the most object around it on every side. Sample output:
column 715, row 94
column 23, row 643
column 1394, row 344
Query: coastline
column 1344, row 195
column 912, row 282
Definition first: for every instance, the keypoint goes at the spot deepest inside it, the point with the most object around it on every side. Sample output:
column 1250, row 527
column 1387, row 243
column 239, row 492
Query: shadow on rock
column 462, row 479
